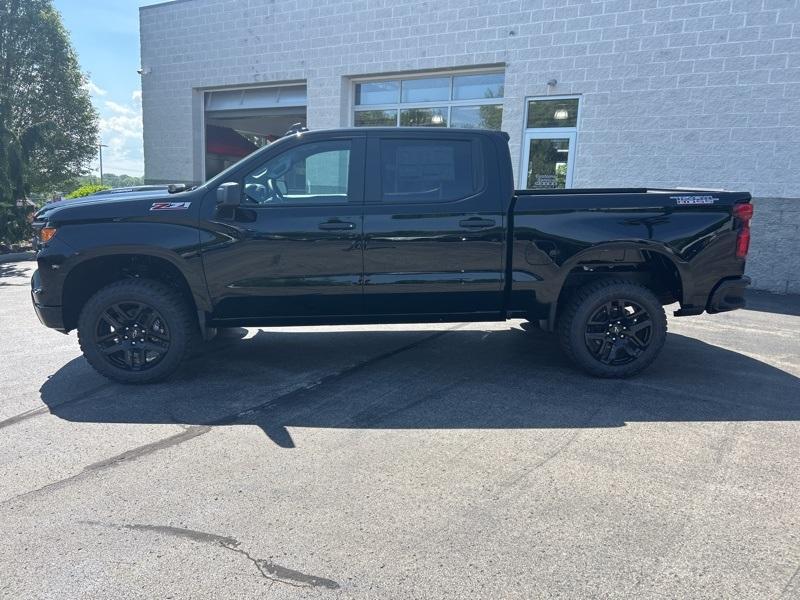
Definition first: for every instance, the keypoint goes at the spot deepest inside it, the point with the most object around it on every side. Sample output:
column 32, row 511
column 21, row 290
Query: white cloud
column 121, row 132
column 120, row 109
column 94, row 89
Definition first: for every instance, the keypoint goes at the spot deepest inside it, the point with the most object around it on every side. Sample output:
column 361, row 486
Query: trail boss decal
column 170, row 205
column 689, row 200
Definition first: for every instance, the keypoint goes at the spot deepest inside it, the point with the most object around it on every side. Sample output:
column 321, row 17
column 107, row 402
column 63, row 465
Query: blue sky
column 105, row 34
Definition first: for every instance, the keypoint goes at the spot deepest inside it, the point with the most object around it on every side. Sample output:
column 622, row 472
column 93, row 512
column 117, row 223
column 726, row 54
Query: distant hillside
column 109, row 179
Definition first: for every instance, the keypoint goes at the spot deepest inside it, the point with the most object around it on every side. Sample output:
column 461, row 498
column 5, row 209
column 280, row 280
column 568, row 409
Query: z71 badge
column 694, row 199
column 170, row 205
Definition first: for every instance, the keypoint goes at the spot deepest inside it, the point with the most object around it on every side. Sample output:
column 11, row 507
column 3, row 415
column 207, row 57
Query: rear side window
column 419, row 170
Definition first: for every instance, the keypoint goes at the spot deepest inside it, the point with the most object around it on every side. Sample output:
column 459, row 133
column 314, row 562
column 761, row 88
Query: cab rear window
column 420, row 170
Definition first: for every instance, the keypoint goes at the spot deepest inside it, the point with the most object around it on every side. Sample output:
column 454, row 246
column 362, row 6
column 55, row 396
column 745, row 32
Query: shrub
column 86, row 190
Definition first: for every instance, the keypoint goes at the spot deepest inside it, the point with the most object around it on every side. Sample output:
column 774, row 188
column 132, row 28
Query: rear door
column 433, row 224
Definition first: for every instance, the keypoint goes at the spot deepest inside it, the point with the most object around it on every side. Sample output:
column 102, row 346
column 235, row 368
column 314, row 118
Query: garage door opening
column 238, row 122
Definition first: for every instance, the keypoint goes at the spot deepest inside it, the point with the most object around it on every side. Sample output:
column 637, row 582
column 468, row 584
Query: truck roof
column 404, row 131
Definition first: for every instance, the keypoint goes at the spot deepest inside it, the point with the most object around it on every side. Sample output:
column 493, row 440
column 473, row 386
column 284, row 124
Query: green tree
column 48, row 127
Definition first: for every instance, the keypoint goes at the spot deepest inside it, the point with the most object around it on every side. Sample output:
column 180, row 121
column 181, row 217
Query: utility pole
column 101, row 161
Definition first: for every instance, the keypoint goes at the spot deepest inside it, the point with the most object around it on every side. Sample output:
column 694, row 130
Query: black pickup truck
column 384, row 226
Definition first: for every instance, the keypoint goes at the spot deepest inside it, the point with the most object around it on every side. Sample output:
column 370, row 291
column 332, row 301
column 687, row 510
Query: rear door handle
column 336, row 225
column 477, row 223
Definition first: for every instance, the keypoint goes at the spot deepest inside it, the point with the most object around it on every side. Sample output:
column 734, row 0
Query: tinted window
column 311, row 173
column 552, row 113
column 429, row 170
column 426, row 90
column 376, row 118
column 471, row 87
column 473, row 100
column 379, row 92
column 423, row 117
column 485, row 116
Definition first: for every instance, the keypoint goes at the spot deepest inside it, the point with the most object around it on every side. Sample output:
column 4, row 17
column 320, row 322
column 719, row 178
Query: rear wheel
column 613, row 328
column 136, row 330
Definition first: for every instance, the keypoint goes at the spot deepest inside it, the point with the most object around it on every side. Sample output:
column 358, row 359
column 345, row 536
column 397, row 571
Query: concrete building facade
column 593, row 93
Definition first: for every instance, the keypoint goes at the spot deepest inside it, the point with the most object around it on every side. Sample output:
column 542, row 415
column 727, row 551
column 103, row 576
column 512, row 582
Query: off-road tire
column 169, row 303
column 574, row 319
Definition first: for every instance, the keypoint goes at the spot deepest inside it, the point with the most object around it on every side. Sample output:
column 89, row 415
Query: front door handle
column 477, row 223
column 336, row 225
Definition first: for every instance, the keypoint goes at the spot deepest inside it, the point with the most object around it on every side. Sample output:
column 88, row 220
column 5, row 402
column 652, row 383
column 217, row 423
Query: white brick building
column 699, row 93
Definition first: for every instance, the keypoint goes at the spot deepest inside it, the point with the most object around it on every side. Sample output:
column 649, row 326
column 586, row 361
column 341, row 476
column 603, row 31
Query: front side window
column 428, row 170
column 469, row 100
column 313, row 173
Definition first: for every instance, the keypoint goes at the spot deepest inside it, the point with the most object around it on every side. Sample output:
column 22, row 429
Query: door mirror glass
column 229, row 194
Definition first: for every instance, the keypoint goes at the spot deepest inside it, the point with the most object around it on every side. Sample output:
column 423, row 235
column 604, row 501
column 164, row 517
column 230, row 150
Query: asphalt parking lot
column 426, row 461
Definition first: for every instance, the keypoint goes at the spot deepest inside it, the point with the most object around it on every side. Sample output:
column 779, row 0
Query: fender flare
column 193, row 275
column 616, row 249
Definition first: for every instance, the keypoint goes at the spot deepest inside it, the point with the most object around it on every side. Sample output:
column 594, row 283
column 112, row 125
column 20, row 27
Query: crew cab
column 384, row 225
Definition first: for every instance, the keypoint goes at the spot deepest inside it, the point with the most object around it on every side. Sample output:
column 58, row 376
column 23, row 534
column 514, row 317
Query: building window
column 548, row 151
column 473, row 100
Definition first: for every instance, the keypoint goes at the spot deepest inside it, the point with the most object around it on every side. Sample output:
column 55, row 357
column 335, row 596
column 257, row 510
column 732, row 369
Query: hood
column 121, row 206
column 107, row 202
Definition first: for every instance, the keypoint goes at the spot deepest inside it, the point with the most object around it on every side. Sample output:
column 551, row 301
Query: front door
column 433, row 225
column 294, row 246
column 548, row 160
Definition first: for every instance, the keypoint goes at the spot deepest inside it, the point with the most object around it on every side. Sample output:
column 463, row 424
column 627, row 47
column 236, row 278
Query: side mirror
column 229, row 194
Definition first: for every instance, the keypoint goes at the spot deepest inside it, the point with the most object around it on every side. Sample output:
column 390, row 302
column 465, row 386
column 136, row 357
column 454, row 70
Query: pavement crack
column 269, row 570
column 133, row 454
column 792, row 586
column 557, row 451
column 278, row 574
column 42, row 410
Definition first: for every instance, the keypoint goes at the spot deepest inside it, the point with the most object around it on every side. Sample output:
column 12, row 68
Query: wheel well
column 655, row 271
column 89, row 277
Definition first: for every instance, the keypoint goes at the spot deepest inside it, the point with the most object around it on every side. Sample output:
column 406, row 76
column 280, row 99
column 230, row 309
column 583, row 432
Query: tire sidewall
column 152, row 293
column 589, row 306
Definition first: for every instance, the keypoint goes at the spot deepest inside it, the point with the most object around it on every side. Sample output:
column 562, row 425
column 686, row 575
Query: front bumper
column 728, row 295
column 50, row 316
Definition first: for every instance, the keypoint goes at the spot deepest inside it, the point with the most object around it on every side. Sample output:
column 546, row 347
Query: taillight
column 744, row 213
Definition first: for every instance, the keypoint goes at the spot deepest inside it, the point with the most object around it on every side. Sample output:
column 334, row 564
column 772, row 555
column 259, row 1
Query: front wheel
column 613, row 328
column 136, row 331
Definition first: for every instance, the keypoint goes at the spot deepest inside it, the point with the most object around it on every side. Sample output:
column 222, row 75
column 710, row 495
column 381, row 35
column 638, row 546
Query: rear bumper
column 728, row 295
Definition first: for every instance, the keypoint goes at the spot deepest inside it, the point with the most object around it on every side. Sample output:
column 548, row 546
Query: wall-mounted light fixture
column 144, row 71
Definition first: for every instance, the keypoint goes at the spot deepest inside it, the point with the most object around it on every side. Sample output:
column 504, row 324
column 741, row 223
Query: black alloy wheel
column 612, row 328
column 618, row 332
column 137, row 330
column 132, row 336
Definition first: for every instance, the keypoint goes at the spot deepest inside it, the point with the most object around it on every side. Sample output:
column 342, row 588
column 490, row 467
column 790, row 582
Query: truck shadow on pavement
column 432, row 379
column 13, row 274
